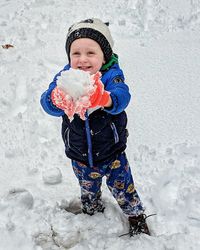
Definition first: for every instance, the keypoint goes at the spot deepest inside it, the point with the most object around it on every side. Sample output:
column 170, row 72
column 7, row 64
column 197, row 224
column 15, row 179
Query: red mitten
column 100, row 97
column 63, row 101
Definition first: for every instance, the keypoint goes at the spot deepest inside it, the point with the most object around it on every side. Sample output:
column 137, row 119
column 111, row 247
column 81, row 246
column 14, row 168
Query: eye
column 75, row 53
column 91, row 52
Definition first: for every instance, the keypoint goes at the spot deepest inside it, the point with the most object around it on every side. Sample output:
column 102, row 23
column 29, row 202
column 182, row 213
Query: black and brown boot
column 96, row 207
column 138, row 225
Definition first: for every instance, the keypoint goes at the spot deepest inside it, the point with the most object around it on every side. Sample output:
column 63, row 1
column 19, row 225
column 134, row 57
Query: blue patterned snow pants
column 118, row 179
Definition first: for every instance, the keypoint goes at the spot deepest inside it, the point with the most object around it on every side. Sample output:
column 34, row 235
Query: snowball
column 78, row 85
column 52, row 176
column 75, row 82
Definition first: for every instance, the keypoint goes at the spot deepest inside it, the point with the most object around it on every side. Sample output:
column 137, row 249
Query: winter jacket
column 107, row 125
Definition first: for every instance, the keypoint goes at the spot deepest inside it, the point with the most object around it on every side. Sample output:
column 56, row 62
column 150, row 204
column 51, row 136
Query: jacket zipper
column 115, row 133
column 66, row 137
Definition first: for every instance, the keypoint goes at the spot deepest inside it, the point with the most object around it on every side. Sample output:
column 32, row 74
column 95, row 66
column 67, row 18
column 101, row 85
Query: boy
column 96, row 145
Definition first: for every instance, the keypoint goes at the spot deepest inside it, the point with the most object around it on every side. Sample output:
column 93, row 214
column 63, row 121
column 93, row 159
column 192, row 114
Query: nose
column 83, row 58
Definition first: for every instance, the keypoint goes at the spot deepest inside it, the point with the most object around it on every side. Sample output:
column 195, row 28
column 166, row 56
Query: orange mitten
column 63, row 101
column 100, row 97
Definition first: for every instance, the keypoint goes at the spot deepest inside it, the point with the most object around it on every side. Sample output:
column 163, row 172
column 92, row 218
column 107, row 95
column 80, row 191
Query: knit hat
column 94, row 29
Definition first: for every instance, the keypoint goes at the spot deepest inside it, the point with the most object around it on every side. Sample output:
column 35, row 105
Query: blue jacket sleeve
column 119, row 90
column 45, row 100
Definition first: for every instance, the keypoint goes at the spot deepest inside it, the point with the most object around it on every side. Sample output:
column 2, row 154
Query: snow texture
column 158, row 43
column 76, row 83
column 52, row 176
column 77, row 87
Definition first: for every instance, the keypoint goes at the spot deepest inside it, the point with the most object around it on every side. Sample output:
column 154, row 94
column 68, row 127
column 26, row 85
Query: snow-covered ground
column 158, row 42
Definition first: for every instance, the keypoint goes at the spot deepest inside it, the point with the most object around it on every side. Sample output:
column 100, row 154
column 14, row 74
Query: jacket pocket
column 66, row 138
column 115, row 133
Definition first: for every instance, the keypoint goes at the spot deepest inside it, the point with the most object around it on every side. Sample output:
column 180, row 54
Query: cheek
column 102, row 61
column 73, row 62
column 99, row 61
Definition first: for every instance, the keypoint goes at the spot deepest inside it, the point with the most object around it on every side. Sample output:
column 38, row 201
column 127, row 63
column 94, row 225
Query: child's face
column 86, row 55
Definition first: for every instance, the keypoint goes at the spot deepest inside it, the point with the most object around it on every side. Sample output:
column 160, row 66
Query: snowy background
column 158, row 42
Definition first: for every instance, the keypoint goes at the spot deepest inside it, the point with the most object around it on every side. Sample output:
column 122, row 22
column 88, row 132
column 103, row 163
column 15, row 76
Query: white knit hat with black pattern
column 94, row 29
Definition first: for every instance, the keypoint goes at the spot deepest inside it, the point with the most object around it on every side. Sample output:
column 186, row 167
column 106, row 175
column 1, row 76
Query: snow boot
column 138, row 225
column 98, row 207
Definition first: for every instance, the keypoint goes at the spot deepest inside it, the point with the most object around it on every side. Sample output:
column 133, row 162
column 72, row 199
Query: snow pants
column 118, row 179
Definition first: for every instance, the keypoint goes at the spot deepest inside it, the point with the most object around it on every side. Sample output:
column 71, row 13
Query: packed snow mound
column 16, row 199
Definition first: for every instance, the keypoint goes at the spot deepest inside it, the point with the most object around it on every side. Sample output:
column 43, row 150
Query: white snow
column 75, row 82
column 158, row 43
column 52, row 176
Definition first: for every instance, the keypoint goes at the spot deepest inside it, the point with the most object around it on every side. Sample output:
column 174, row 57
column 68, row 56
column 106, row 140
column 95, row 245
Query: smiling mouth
column 85, row 68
